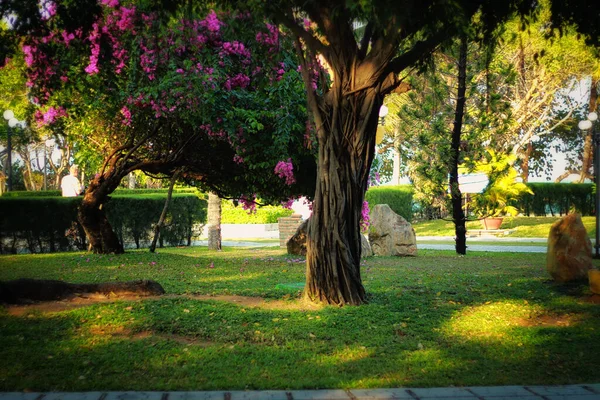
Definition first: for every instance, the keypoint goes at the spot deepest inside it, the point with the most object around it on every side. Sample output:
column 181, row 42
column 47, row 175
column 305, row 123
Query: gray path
column 536, row 246
column 569, row 392
column 479, row 247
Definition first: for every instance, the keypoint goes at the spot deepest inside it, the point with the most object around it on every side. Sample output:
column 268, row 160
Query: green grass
column 523, row 227
column 433, row 320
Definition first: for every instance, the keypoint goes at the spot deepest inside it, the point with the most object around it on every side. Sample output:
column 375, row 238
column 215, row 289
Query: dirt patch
column 95, row 298
column 593, row 299
column 72, row 303
column 560, row 321
column 259, row 302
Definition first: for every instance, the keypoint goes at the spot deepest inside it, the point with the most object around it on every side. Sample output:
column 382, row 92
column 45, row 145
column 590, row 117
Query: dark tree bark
column 92, row 217
column 214, row 221
column 458, row 214
column 345, row 117
column 163, row 214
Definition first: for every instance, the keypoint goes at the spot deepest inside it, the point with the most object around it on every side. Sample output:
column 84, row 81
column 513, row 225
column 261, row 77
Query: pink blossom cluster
column 48, row 9
column 288, row 203
column 240, row 80
column 94, row 39
column 111, row 3
column 365, row 220
column 50, row 116
column 126, row 116
column 285, row 170
column 235, row 48
column 211, row 22
column 248, row 203
column 271, row 38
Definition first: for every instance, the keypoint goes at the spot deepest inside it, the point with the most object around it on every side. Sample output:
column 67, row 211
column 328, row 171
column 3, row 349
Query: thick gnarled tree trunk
column 92, row 217
column 333, row 247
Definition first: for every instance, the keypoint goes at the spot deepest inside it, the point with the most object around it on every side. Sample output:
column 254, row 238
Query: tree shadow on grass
column 429, row 323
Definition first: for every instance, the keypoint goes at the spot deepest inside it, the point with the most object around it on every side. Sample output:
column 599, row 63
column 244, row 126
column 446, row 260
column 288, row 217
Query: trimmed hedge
column 31, row 193
column 58, row 193
column 231, row 214
column 558, row 198
column 399, row 198
column 46, row 224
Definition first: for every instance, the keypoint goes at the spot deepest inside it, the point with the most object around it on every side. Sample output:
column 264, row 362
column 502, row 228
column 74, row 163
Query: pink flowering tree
column 218, row 99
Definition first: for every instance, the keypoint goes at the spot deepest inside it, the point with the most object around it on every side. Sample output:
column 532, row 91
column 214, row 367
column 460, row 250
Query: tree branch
column 312, row 42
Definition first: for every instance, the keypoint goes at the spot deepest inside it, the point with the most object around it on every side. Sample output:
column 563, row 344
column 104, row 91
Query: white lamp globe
column 585, row 124
column 13, row 122
column 383, row 111
column 8, row 114
column 593, row 116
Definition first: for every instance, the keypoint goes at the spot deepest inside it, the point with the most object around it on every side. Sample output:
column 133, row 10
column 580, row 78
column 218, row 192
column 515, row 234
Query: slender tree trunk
column 163, row 214
column 588, row 146
column 525, row 162
column 214, row 222
column 346, row 151
column 458, row 214
column 92, row 217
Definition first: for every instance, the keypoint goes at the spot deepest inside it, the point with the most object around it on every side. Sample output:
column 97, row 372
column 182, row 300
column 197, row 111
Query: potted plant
column 503, row 189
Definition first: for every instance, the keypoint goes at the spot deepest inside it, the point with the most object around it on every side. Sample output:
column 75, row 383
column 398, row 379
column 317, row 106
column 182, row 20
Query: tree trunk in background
column 525, row 162
column 92, row 217
column 458, row 214
column 131, row 181
column 588, row 147
column 163, row 214
column 214, row 222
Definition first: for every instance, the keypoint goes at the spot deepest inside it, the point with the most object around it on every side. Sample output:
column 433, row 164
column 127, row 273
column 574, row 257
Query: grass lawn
column 523, row 226
column 433, row 320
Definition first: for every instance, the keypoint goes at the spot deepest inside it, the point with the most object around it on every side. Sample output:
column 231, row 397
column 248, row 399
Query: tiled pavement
column 568, row 392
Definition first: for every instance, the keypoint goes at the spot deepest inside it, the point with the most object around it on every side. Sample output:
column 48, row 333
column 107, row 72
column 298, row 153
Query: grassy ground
column 522, row 226
column 433, row 320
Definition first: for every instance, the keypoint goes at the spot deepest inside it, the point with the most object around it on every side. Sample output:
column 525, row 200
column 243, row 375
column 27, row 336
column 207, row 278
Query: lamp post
column 585, row 125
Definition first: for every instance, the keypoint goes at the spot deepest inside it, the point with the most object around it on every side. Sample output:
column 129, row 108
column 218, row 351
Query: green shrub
column 45, row 224
column 28, row 193
column 558, row 199
column 264, row 215
column 399, row 198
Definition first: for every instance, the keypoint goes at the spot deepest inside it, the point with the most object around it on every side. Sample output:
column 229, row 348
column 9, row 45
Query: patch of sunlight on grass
column 491, row 322
column 344, row 355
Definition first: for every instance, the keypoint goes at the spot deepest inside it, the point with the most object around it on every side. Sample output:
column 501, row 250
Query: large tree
column 217, row 98
column 397, row 36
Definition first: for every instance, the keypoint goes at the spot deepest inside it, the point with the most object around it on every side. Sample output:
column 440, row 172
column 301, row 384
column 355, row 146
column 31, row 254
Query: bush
column 30, row 193
column 231, row 214
column 41, row 224
column 558, row 198
column 399, row 198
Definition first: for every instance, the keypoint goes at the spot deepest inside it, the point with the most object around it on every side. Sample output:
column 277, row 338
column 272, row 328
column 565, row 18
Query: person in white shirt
column 70, row 184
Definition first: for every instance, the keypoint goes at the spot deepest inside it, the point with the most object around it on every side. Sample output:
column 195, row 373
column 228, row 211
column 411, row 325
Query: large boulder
column 569, row 254
column 296, row 245
column 390, row 234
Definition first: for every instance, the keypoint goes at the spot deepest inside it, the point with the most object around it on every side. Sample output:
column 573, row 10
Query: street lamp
column 48, row 143
column 585, row 125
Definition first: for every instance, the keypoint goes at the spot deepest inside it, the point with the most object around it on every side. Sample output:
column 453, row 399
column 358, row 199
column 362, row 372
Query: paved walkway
column 534, row 245
column 569, row 392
